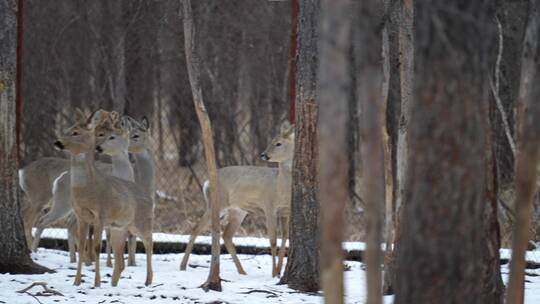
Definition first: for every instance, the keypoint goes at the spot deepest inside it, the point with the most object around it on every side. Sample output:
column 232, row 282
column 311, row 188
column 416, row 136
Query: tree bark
column 14, row 253
column 213, row 282
column 528, row 152
column 302, row 271
column 513, row 16
column 445, row 242
column 333, row 93
column 400, row 60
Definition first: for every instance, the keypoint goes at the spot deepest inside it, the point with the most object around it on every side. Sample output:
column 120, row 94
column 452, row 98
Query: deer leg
column 60, row 208
column 89, row 252
column 28, row 222
column 83, row 232
column 202, row 224
column 236, row 216
column 118, row 239
column 271, row 228
column 132, row 249
column 98, row 232
column 37, row 238
column 148, row 248
column 72, row 240
column 284, row 237
column 108, row 247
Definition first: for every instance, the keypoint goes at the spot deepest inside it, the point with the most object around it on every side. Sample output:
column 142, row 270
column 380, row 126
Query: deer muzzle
column 59, row 145
column 265, row 156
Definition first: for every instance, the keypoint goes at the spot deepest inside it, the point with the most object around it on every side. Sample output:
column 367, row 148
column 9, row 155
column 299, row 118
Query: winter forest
column 270, row 151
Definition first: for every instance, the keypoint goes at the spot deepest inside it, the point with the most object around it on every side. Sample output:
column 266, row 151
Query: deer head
column 113, row 136
column 140, row 135
column 80, row 137
column 281, row 148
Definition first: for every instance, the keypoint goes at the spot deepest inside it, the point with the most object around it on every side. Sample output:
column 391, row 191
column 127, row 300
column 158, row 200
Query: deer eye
column 75, row 133
column 111, row 138
column 135, row 136
column 101, row 134
column 278, row 144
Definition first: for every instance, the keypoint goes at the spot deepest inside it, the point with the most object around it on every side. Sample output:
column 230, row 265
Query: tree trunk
column 192, row 60
column 14, row 253
column 528, row 153
column 368, row 51
column 513, row 16
column 442, row 251
column 400, row 59
column 333, row 93
column 302, row 271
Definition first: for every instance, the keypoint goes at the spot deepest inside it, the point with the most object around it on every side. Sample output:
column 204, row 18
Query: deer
column 36, row 180
column 104, row 201
column 244, row 189
column 141, row 150
column 60, row 204
column 139, row 146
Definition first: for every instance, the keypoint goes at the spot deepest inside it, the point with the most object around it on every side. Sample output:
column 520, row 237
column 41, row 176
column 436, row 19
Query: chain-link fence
column 180, row 171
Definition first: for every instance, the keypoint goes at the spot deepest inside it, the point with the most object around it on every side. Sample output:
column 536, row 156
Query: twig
column 495, row 91
column 273, row 294
column 47, row 292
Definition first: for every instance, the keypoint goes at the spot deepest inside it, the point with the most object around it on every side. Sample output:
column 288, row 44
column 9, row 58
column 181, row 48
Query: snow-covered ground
column 170, row 285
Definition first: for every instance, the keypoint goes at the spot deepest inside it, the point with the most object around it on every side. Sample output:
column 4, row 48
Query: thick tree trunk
column 442, row 251
column 14, row 253
column 333, row 92
column 528, row 152
column 213, row 282
column 302, row 271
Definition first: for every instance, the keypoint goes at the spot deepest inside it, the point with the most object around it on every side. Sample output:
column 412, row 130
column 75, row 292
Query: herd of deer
column 91, row 196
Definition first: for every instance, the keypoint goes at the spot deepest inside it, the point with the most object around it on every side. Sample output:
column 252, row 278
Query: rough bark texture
column 302, row 271
column 213, row 282
column 442, row 251
column 14, row 253
column 333, row 92
column 528, row 153
column 400, row 57
column 368, row 51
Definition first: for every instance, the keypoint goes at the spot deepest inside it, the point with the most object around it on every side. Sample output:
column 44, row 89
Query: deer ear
column 145, row 124
column 95, row 119
column 114, row 116
column 125, row 124
column 286, row 128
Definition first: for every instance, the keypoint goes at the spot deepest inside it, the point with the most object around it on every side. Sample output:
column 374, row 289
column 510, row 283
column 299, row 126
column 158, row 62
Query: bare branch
column 495, row 91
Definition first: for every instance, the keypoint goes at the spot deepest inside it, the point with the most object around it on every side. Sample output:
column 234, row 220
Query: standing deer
column 60, row 206
column 252, row 188
column 104, row 201
column 36, row 180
